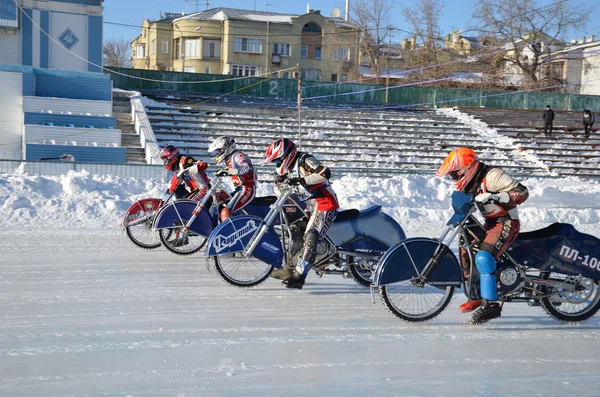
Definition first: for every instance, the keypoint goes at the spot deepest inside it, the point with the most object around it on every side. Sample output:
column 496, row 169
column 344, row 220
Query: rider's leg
column 242, row 196
column 317, row 226
column 501, row 232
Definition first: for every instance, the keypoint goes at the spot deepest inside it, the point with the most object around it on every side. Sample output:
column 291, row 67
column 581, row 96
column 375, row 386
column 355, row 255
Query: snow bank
column 420, row 203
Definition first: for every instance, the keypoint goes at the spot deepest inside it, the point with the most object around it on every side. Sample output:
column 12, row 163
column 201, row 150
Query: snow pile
column 420, row 203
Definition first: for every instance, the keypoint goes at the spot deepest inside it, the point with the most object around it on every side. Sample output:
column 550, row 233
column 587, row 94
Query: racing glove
column 280, row 178
column 224, row 172
column 198, row 167
column 502, row 197
column 295, row 181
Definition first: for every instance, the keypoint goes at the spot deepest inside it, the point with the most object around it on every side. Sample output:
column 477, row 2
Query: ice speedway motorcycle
column 245, row 249
column 556, row 267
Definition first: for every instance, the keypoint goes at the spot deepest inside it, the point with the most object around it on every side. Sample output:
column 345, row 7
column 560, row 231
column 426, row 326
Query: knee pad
column 485, row 262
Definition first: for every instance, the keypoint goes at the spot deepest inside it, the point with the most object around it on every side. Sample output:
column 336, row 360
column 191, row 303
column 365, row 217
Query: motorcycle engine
column 509, row 278
column 324, row 250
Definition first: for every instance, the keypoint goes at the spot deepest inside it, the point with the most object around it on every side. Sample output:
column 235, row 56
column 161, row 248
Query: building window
column 153, row 47
column 281, row 49
column 304, row 52
column 177, row 46
column 244, row 70
column 341, row 54
column 318, row 53
column 311, row 28
column 344, row 77
column 311, row 74
column 190, row 69
column 286, row 75
column 334, row 77
column 557, row 69
column 212, row 49
column 165, row 47
column 244, row 44
column 140, row 51
column 192, row 48
column 207, row 70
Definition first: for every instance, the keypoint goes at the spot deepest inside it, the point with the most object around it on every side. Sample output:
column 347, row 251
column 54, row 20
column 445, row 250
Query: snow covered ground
column 83, row 312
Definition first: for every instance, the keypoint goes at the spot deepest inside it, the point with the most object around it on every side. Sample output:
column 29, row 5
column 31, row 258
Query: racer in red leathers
column 497, row 195
column 239, row 168
column 196, row 184
column 302, row 169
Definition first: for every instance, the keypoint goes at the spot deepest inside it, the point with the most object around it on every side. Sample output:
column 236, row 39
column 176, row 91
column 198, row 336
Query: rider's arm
column 498, row 181
column 316, row 172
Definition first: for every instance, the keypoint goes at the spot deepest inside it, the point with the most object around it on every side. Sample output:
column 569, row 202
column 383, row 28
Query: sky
column 456, row 13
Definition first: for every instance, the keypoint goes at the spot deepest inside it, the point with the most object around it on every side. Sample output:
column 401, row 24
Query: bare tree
column 373, row 18
column 528, row 30
column 424, row 19
column 116, row 53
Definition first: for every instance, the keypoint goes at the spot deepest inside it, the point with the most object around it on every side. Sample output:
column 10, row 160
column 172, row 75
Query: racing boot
column 485, row 313
column 296, row 280
column 469, row 306
column 283, row 273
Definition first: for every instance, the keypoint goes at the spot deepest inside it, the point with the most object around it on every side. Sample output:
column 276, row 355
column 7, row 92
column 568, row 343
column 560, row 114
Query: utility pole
column 299, row 105
column 387, row 75
column 267, row 6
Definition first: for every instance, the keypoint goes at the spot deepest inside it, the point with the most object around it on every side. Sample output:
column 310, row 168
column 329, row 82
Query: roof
column 223, row 13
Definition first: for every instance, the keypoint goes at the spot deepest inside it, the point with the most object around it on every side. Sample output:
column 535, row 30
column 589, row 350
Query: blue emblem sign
column 68, row 39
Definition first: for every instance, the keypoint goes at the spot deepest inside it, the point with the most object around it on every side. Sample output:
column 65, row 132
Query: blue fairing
column 397, row 263
column 371, row 230
column 461, row 204
column 559, row 248
column 182, row 209
column 234, row 234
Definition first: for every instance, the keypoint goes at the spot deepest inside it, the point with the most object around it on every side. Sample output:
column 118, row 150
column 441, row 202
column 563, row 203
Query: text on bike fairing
column 573, row 255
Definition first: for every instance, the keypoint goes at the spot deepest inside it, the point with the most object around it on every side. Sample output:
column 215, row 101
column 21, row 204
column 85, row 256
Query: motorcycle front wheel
column 415, row 304
column 169, row 237
column 239, row 271
column 143, row 235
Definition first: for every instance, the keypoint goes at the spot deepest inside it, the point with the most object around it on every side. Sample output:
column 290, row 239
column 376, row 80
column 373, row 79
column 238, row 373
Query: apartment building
column 250, row 43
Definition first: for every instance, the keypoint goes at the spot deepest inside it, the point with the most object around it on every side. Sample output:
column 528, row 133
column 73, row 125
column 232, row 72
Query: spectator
column 548, row 120
column 588, row 122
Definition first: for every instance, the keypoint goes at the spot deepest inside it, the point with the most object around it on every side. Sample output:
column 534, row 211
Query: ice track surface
column 86, row 313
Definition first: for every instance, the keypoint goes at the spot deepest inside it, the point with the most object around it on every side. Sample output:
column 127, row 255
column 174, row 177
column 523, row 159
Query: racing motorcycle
column 184, row 225
column 557, row 268
column 245, row 249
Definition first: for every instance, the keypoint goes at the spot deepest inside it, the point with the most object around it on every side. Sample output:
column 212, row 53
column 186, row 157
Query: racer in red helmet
column 303, row 169
column 196, row 183
column 497, row 195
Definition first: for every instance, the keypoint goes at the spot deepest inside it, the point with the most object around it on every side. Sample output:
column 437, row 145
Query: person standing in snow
column 588, row 122
column 548, row 120
column 497, row 196
column 302, row 169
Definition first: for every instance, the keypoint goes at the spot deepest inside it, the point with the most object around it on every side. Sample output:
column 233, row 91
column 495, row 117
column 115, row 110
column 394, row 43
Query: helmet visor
column 278, row 162
column 454, row 175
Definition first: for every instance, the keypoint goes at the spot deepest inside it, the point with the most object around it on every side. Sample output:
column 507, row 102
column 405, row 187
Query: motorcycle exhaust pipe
column 359, row 254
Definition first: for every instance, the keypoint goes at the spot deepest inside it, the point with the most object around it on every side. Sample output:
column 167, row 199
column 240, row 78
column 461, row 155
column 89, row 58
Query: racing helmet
column 221, row 148
column 169, row 156
column 282, row 152
column 460, row 165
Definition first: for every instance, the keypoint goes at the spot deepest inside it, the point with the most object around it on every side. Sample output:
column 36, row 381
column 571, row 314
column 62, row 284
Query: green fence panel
column 213, row 84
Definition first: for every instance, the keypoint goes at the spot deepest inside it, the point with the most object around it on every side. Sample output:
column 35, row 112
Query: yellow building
column 250, row 43
column 463, row 45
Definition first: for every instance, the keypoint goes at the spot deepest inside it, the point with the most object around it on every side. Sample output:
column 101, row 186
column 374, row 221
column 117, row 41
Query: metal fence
column 57, row 168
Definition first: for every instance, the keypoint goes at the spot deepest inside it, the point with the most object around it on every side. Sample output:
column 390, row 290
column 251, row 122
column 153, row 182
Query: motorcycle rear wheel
column 195, row 242
column 414, row 304
column 362, row 270
column 572, row 306
column 239, row 271
column 143, row 235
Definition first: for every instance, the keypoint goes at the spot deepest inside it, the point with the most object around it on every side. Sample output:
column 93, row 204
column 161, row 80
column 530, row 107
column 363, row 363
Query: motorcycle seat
column 261, row 201
column 548, row 231
column 346, row 215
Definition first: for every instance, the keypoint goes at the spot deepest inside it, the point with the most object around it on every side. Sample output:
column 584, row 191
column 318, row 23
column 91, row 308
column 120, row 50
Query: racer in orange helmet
column 497, row 195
